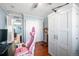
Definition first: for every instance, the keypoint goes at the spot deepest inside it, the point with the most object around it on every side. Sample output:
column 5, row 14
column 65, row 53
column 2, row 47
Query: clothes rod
column 54, row 9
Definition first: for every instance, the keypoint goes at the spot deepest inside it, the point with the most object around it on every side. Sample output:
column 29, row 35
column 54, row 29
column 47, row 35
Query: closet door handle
column 56, row 37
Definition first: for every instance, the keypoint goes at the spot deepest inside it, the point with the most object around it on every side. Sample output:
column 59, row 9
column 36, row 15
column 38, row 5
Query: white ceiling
column 43, row 9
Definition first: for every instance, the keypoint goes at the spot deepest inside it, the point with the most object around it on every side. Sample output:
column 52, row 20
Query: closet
column 63, row 31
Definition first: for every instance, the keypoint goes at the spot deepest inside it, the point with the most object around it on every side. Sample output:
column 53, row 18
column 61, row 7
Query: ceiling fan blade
column 34, row 5
column 49, row 3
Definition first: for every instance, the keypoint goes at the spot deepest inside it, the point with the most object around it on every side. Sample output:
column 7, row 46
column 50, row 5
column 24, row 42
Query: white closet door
column 55, row 33
column 62, row 46
column 75, row 41
column 52, row 34
column 77, row 33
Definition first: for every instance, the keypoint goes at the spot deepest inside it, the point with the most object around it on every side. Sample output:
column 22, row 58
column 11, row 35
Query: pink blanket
column 21, row 50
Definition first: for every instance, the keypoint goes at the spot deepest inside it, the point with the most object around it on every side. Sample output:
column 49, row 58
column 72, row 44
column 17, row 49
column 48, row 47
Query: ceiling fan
column 34, row 5
column 49, row 3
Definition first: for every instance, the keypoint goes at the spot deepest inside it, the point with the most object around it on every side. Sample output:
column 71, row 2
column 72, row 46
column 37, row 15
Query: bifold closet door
column 75, row 41
column 77, row 34
column 52, row 34
column 62, row 42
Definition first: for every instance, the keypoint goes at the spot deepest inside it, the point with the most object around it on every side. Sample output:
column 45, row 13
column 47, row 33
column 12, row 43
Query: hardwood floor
column 41, row 49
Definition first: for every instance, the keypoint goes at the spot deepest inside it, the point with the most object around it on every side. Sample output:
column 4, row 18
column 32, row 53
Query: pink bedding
column 21, row 50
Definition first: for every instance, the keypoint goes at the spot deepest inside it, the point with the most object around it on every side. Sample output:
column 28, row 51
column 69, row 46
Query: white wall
column 45, row 25
column 2, row 19
column 29, row 22
column 45, row 22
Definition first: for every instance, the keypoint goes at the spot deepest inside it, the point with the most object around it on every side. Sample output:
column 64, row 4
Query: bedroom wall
column 45, row 25
column 45, row 22
column 2, row 19
column 29, row 22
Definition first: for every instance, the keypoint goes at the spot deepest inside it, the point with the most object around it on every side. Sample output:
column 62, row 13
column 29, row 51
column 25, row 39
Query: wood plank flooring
column 41, row 49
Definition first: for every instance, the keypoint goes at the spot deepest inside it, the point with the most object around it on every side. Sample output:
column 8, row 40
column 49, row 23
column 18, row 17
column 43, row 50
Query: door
column 55, row 34
column 62, row 42
column 75, row 41
column 33, row 22
column 52, row 34
column 77, row 34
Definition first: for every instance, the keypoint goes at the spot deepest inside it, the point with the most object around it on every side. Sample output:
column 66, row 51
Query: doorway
column 17, row 26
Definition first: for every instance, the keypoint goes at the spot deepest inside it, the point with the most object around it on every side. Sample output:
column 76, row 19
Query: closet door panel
column 62, row 40
column 52, row 32
column 62, row 51
column 69, row 14
column 75, row 41
column 50, row 48
column 55, row 33
column 62, row 34
column 77, row 38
